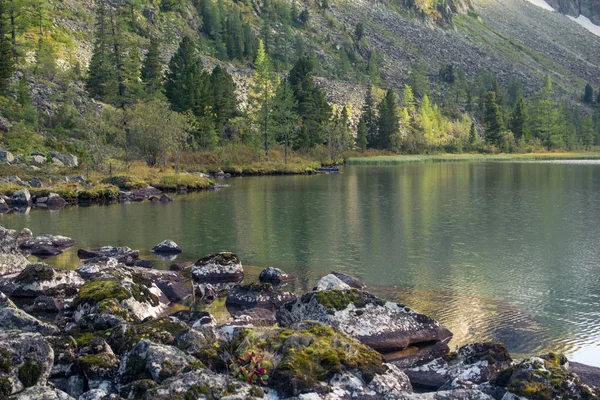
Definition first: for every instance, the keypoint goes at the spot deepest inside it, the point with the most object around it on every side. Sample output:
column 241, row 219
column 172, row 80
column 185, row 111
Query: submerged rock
column 384, row 326
column 476, row 363
column 221, row 267
column 25, row 360
column 167, row 247
column 258, row 295
column 275, row 276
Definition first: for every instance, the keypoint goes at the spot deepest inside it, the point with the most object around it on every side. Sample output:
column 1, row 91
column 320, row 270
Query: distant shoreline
column 401, row 159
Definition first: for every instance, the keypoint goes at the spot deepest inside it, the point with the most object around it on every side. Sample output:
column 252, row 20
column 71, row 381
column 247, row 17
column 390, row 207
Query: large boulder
column 476, row 363
column 46, row 245
column 40, row 279
column 5, row 302
column 588, row 374
column 167, row 247
column 41, row 393
column 220, row 267
column 123, row 255
column 38, row 159
column 349, row 280
column 21, row 198
column 6, row 157
column 258, row 295
column 4, row 208
column 25, row 360
column 117, row 300
column 275, row 276
column 384, row 326
column 148, row 360
column 14, row 319
column 545, row 377
column 68, row 160
column 202, row 384
column 99, row 370
column 11, row 260
column 55, row 202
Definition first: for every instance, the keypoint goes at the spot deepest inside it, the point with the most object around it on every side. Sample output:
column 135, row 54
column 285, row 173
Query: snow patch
column 587, row 24
column 542, row 4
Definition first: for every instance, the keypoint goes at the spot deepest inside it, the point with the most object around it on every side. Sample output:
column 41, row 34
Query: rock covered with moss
column 475, row 363
column 122, row 254
column 220, row 267
column 544, row 378
column 42, row 393
column 40, row 279
column 384, row 326
column 125, row 300
column 25, row 360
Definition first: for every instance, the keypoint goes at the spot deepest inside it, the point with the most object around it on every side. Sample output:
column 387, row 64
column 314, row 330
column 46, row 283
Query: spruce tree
column 285, row 119
column 473, row 135
column 369, row 117
column 388, row 124
column 312, row 108
column 361, row 135
column 186, row 83
column 543, row 113
column 224, row 99
column 151, row 73
column 494, row 124
column 587, row 131
column 588, row 94
column 6, row 54
column 519, row 123
column 101, row 80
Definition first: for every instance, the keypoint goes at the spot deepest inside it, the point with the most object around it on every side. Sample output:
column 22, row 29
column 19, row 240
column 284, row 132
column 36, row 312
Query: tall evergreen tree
column 313, row 109
column 369, row 118
column 519, row 123
column 587, row 131
column 543, row 114
column 588, row 94
column 408, row 100
column 224, row 99
column 186, row 83
column 388, row 124
column 6, row 54
column 101, row 80
column 285, row 119
column 494, row 124
column 151, row 73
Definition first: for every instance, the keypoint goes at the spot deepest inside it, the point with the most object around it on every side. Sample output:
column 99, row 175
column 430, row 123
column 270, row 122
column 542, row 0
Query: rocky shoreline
column 109, row 330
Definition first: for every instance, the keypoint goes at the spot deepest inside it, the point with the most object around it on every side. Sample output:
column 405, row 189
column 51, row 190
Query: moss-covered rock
column 547, row 378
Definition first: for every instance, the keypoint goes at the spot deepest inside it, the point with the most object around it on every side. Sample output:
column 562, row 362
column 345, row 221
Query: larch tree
column 262, row 94
column 6, row 54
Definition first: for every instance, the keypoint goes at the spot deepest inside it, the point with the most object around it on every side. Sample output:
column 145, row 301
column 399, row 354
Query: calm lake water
column 496, row 251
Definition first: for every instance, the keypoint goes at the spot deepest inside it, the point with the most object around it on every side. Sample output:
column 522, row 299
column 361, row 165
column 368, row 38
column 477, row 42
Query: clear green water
column 496, row 251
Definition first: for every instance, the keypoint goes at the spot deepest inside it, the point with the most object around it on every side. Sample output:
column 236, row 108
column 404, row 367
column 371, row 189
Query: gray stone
column 220, row 267
column 167, row 247
column 349, row 280
column 38, row 159
column 29, row 358
column 275, row 276
column 384, row 326
column 36, row 183
column 21, row 198
column 45, row 245
column 41, row 393
column 255, row 295
column 331, row 282
column 40, row 279
column 14, row 319
column 11, row 260
column 6, row 157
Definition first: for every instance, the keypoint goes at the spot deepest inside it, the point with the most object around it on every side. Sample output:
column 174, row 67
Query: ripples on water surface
column 495, row 251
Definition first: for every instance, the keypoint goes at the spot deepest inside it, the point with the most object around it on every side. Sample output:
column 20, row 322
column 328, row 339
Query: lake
column 502, row 251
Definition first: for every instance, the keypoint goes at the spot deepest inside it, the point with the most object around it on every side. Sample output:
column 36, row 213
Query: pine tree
column 588, row 95
column 361, row 135
column 224, row 97
column 151, row 73
column 132, row 83
column 264, row 90
column 45, row 60
column 313, row 109
column 101, row 80
column 473, row 135
column 494, row 124
column 187, row 84
column 519, row 123
column 369, row 117
column 542, row 113
column 359, row 32
column 388, row 124
column 285, row 119
column 6, row 54
column 587, row 131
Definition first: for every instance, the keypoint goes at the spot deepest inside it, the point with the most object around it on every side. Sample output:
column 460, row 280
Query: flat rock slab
column 46, row 245
column 384, row 326
column 220, row 267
